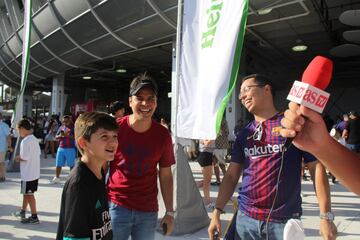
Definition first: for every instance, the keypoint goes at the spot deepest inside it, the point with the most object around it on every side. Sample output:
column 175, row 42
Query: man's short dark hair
column 142, row 81
column 261, row 79
column 116, row 106
column 24, row 123
column 89, row 122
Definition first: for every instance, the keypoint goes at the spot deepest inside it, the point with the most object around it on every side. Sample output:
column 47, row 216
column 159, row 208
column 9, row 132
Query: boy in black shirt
column 84, row 209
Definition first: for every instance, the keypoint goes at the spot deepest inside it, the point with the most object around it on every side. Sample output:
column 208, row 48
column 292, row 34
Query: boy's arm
column 23, row 152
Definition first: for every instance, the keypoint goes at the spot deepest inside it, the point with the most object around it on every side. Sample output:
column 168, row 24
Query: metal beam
column 161, row 14
column 112, row 33
column 68, row 36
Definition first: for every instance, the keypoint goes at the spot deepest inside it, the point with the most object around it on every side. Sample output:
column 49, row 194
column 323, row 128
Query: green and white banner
column 212, row 39
column 18, row 111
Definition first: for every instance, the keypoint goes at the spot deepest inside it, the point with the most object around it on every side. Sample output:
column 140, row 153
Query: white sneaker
column 55, row 180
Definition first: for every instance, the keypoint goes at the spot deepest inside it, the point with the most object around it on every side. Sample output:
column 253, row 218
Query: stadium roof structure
column 112, row 40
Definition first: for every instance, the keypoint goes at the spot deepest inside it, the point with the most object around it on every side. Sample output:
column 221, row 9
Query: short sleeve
column 24, row 150
column 75, row 220
column 237, row 155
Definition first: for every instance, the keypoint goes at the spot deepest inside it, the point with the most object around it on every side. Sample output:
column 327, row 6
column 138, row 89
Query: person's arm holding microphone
column 310, row 134
column 310, row 93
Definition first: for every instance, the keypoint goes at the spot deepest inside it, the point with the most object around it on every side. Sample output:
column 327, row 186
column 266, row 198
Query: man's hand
column 305, row 125
column 169, row 221
column 17, row 158
column 215, row 225
column 328, row 229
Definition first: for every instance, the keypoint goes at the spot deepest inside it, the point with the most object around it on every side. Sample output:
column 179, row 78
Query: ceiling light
column 264, row 11
column 299, row 48
column 86, row 77
column 121, row 70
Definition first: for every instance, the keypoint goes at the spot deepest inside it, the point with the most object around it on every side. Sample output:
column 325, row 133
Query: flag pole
column 176, row 75
column 190, row 213
column 18, row 109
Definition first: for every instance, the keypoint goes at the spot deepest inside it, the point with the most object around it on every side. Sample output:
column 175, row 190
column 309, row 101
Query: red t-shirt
column 133, row 173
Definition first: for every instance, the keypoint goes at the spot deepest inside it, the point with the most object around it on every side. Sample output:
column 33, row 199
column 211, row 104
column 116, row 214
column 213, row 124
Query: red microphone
column 318, row 73
column 309, row 92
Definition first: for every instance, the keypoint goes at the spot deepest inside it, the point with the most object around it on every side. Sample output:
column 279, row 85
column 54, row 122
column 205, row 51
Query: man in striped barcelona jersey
column 259, row 155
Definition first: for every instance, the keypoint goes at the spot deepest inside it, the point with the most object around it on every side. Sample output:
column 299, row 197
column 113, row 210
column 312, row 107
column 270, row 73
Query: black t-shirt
column 353, row 126
column 84, row 209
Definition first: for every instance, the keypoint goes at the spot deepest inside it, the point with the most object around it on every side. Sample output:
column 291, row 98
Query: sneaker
column 55, row 180
column 19, row 214
column 31, row 220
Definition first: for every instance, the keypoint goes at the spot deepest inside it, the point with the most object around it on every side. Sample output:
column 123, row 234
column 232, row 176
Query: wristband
column 327, row 216
column 220, row 210
column 170, row 213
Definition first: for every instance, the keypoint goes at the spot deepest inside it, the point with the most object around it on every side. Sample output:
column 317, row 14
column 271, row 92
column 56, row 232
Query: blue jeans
column 251, row 229
column 126, row 222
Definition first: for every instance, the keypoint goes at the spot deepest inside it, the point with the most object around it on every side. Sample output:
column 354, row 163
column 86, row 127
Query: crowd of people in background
column 145, row 152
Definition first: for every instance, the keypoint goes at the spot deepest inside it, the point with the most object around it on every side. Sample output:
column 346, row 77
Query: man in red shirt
column 144, row 145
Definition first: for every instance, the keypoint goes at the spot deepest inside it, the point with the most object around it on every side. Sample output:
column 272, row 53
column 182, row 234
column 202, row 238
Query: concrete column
column 57, row 96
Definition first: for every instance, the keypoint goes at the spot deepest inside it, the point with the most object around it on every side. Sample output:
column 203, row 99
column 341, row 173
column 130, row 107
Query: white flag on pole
column 212, row 39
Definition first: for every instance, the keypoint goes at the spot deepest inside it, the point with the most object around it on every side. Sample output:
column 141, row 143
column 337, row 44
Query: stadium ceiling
column 102, row 38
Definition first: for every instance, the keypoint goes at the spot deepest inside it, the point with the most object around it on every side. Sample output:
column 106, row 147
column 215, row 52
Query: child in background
column 29, row 159
column 84, row 212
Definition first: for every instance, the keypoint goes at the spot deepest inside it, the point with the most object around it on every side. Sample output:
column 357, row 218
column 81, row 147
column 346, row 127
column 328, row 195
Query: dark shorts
column 205, row 159
column 28, row 188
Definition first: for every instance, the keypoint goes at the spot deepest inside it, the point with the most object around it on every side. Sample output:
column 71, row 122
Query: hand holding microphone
column 309, row 94
column 306, row 125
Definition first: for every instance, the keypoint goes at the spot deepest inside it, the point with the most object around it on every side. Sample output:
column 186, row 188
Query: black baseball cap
column 142, row 82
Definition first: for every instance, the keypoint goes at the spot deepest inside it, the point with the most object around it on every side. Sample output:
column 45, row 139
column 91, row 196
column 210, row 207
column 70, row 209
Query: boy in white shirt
column 29, row 159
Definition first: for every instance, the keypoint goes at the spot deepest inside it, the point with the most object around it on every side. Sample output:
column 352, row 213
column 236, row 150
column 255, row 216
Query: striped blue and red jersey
column 68, row 141
column 258, row 148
